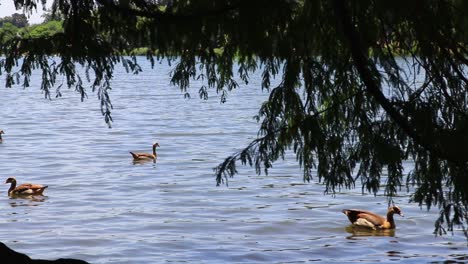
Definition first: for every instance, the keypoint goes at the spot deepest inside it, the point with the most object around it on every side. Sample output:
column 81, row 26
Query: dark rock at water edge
column 9, row 256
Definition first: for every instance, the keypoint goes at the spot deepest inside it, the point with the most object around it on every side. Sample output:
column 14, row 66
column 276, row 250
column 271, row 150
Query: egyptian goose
column 146, row 156
column 25, row 188
column 1, row 132
column 372, row 220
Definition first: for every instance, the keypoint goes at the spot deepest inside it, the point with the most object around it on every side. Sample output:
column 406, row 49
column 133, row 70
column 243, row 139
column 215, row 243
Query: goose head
column 395, row 210
column 10, row 180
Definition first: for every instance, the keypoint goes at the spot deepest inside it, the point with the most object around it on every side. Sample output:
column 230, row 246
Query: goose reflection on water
column 142, row 161
column 359, row 231
column 26, row 200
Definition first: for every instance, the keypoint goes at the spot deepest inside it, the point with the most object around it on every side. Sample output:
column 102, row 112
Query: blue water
column 103, row 208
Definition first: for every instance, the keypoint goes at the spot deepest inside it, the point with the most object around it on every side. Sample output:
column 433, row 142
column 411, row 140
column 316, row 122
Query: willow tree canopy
column 365, row 84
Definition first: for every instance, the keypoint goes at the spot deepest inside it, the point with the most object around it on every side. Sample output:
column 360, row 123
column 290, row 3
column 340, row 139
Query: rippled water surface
column 102, row 208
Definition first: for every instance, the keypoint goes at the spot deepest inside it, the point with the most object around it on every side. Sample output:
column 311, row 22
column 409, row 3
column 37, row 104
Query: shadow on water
column 358, row 231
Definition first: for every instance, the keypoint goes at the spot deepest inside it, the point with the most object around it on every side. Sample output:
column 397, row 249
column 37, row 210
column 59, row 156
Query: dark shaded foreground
column 9, row 256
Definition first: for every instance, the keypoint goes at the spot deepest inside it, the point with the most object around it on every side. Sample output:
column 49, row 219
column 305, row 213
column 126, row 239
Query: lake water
column 102, row 208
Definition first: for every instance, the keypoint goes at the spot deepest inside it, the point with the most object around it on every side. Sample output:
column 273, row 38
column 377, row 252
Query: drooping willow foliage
column 365, row 84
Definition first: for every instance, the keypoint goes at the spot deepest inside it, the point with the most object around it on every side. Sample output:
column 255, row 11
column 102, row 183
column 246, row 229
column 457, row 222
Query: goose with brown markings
column 146, row 156
column 25, row 188
column 372, row 220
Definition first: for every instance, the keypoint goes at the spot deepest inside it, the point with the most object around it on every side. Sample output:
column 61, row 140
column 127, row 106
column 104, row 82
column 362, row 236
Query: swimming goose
column 25, row 188
column 1, row 132
column 146, row 156
column 372, row 220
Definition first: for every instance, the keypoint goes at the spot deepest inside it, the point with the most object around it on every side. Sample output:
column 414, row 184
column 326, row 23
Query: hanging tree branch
column 365, row 71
